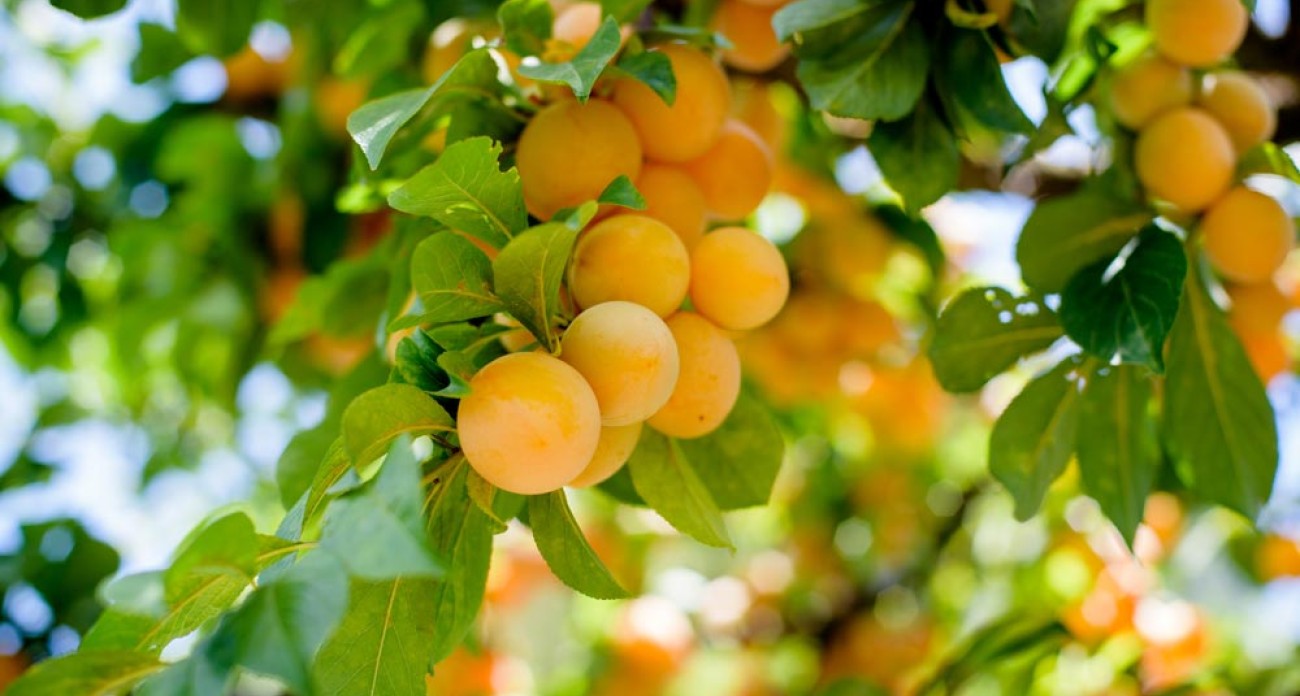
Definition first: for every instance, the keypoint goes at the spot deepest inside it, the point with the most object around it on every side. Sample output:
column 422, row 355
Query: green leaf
column 466, row 190
column 620, row 488
column 453, row 279
column 857, row 59
column 738, row 463
column 300, row 461
column 378, row 532
column 1065, row 234
column 624, row 10
column 968, row 71
column 667, row 482
column 1218, row 424
column 473, row 79
column 382, row 646
column 918, row 157
column 1033, row 439
column 1128, row 311
column 380, row 42
column 218, row 27
column 566, row 550
column 1119, row 448
column 89, row 9
column 118, row 629
column 526, row 25
column 483, row 494
column 195, row 675
column 461, row 534
column 161, row 52
column 282, row 625
column 373, row 420
column 983, row 332
column 622, row 192
column 1268, row 158
column 581, row 72
column 333, row 467
column 416, row 360
column 90, row 673
column 528, row 273
column 655, row 70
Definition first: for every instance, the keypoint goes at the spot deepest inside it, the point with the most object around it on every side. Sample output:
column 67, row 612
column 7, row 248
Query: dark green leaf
column 1218, row 424
column 1033, row 439
column 622, row 192
column 378, row 532
column 466, row 190
column 461, row 534
column 739, row 461
column 89, row 9
column 383, row 644
column 416, row 360
column 526, row 25
column 1128, row 311
column 278, row 630
column 453, row 279
column 161, row 52
column 969, row 72
column 1065, row 234
column 528, row 273
column 985, row 331
column 218, row 27
column 620, row 488
column 373, row 420
column 668, row 483
column 918, row 157
column 655, row 70
column 581, row 72
column 566, row 550
column 1119, row 448
column 90, row 673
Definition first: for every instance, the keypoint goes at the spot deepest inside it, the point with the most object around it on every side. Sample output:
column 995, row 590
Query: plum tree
column 708, row 384
column 739, row 280
column 530, row 423
column 627, row 354
column 617, row 442
column 633, row 258
column 1247, row 235
column 673, row 198
column 1185, row 157
column 1198, row 33
column 1148, row 87
column 735, row 173
column 688, row 128
column 570, row 152
column 1237, row 101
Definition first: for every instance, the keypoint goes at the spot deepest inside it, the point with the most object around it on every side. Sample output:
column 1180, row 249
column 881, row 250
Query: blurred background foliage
column 167, row 194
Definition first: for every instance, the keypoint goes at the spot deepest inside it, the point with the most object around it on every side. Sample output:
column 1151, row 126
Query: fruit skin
column 1257, row 306
column 577, row 23
column 686, row 129
column 673, row 198
column 1236, row 100
column 735, row 173
column 1148, row 87
column 739, row 280
column 628, row 356
column 633, row 258
column 1197, row 33
column 571, row 151
column 530, row 423
column 617, row 442
column 755, row 47
column 1247, row 235
column 709, row 383
column 1185, row 157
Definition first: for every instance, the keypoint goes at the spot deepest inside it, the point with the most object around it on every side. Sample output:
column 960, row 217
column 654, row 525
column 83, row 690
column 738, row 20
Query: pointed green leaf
column 622, row 192
column 1128, row 311
column 1218, row 424
column 461, row 534
column 383, row 644
column 1268, row 158
column 655, row 70
column 983, row 332
column 453, row 279
column 466, row 190
column 1033, row 439
column 195, row 675
column 528, row 274
column 1119, row 448
column 373, row 420
column 969, row 71
column 1065, row 234
column 667, row 482
column 918, row 156
column 89, row 9
column 566, row 550
column 90, row 673
column 581, row 72
column 526, row 25
column 738, row 463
